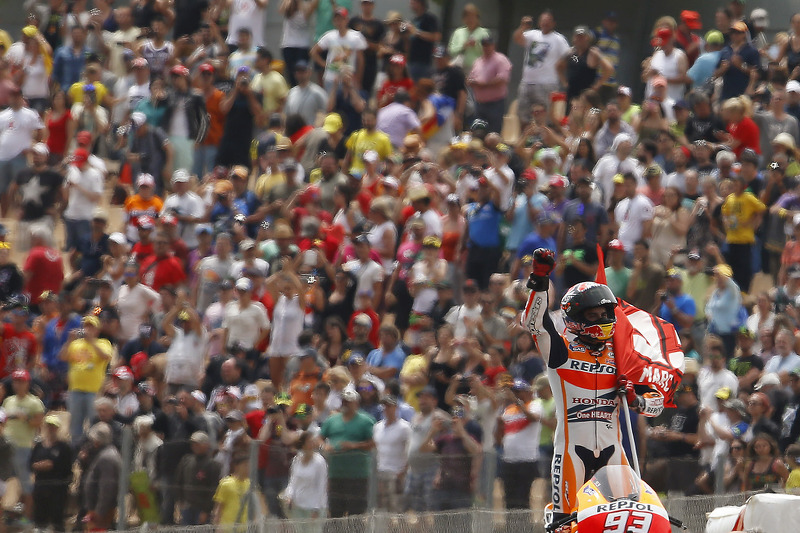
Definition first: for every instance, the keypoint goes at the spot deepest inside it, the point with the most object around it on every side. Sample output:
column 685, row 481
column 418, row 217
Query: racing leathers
column 585, row 387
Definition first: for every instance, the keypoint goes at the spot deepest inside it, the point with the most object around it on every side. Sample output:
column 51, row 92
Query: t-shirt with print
column 18, row 350
column 342, row 50
column 39, row 190
column 738, row 211
column 542, row 52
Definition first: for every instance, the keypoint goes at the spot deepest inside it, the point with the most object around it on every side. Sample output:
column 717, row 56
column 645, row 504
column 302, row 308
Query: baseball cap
column 302, row 65
column 355, row 359
column 138, row 118
column 99, row 214
column 398, row 59
column 760, row 15
column 362, row 319
column 693, row 255
column 739, row 26
column 52, row 420
column 199, row 396
column 41, row 149
column 489, row 38
column 349, row 395
column 180, row 176
column 581, row 30
column 770, row 378
column 558, row 181
column 333, row 123
column 714, row 37
column 723, row 393
column 21, row 375
column 616, row 244
column 80, row 156
column 737, row 405
column 179, row 70
column 470, row 286
column 619, row 179
column 145, row 180
column 206, row 67
column 793, row 86
column 340, row 12
column 440, row 51
column 624, row 90
column 691, row 19
column 521, row 385
column 674, row 273
column 124, row 373
column 429, row 390
column 235, row 416
column 200, row 437
column 244, row 284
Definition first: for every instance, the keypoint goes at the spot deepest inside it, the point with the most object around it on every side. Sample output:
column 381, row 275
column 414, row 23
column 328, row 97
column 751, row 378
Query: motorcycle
column 615, row 500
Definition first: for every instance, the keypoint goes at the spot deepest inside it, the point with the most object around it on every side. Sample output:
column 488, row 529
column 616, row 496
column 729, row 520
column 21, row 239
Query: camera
column 458, row 412
column 664, row 297
column 239, row 219
column 243, row 82
column 273, row 410
column 81, row 333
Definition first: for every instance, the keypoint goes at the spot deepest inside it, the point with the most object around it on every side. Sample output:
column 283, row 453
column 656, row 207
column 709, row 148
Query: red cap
column 664, row 33
column 206, row 67
column 529, row 174
column 341, row 11
column 179, row 70
column 309, row 195
column 84, row 138
column 145, row 222
column 558, row 181
column 123, row 372
column 80, row 156
column 616, row 244
column 138, row 362
column 398, row 59
column 691, row 19
column 21, row 375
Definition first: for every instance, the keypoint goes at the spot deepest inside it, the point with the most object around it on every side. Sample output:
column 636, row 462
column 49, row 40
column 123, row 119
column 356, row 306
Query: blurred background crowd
column 297, row 271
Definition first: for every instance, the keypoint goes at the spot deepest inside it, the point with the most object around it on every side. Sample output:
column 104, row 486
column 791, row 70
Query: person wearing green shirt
column 465, row 43
column 24, row 413
column 617, row 274
column 348, row 440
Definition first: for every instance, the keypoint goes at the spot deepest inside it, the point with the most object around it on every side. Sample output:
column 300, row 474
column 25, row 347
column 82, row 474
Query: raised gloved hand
column 544, row 261
column 625, row 388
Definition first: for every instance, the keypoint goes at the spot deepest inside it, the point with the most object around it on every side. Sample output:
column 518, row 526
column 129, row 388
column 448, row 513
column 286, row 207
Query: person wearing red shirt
column 144, row 249
column 169, row 225
column 162, row 268
column 398, row 79
column 374, row 323
column 19, row 346
column 44, row 268
column 744, row 133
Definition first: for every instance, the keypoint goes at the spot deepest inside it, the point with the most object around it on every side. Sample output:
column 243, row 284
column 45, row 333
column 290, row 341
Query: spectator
column 102, row 478
column 488, row 80
column 87, row 357
column 736, row 62
column 269, row 83
column 51, row 463
column 424, row 32
column 196, row 481
column 521, row 427
column 241, row 110
column 583, row 66
column 307, row 492
column 185, row 205
column 184, row 356
column 786, row 360
column 764, row 466
column 646, row 277
column 397, row 119
column 231, row 497
column 344, row 47
column 348, row 438
column 391, row 437
column 306, row 98
column 714, row 376
column 543, row 48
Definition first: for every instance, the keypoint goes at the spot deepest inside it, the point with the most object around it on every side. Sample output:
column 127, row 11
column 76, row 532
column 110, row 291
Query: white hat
column 391, row 181
column 244, row 284
column 41, row 149
column 180, row 176
column 349, row 395
column 117, row 237
column 199, row 396
column 138, row 118
column 145, row 180
column 760, row 14
column 793, row 86
column 370, row 156
column 768, row 379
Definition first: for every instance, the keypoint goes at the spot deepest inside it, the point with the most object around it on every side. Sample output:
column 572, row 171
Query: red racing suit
column 584, row 384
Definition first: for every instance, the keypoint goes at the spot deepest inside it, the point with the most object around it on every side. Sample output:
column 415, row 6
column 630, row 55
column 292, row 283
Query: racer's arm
column 535, row 317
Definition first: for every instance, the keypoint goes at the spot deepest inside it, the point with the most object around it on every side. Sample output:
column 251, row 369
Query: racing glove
column 625, row 388
column 544, row 261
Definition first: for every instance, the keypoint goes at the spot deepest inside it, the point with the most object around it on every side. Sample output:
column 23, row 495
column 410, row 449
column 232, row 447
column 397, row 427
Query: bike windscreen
column 617, row 482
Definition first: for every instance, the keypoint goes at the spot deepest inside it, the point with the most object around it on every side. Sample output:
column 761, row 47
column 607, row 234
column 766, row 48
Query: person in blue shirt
column 703, row 68
column 386, row 361
column 543, row 237
column 245, row 201
column 676, row 307
column 482, row 234
column 735, row 63
column 68, row 61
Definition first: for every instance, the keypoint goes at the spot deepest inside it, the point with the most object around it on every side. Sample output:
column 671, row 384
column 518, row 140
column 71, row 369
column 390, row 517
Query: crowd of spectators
column 313, row 255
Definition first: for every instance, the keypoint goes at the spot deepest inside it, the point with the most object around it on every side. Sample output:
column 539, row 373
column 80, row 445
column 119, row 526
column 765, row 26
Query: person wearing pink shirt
column 488, row 81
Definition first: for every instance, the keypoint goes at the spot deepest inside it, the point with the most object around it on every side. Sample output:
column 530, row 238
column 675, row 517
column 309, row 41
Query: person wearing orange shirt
column 302, row 385
column 144, row 202
column 206, row 152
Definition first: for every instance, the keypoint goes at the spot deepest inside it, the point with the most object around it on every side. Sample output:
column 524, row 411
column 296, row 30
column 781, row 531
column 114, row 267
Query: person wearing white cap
column 149, row 150
column 39, row 187
column 182, row 324
column 186, row 206
column 775, row 122
column 51, row 484
column 245, row 321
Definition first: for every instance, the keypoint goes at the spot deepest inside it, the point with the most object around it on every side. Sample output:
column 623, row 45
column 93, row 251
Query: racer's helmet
column 584, row 296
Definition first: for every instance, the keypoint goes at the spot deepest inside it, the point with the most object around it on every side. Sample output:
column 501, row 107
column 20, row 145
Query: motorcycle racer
column 582, row 371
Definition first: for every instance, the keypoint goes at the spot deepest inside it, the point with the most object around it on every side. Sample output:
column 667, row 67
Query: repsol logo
column 593, row 401
column 594, row 368
column 557, row 479
column 623, row 504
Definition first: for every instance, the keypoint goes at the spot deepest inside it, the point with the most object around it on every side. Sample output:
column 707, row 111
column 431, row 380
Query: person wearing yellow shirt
column 230, row 499
column 742, row 213
column 269, row 83
column 24, row 413
column 367, row 138
column 87, row 357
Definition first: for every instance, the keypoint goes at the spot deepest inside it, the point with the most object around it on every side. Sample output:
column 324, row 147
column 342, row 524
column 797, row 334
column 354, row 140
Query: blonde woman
column 743, row 133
